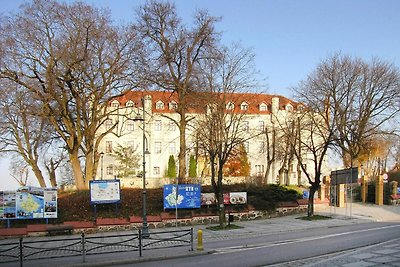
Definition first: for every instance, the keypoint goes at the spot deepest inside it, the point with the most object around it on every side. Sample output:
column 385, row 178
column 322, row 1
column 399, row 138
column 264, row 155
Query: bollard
column 200, row 240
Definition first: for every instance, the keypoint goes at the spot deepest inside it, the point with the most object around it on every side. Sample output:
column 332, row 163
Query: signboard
column 188, row 196
column 306, row 194
column 28, row 203
column 208, row 199
column 345, row 176
column 398, row 190
column 104, row 191
column 234, row 198
column 231, row 198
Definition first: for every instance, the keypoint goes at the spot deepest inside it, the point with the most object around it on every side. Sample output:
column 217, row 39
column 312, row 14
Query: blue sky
column 289, row 37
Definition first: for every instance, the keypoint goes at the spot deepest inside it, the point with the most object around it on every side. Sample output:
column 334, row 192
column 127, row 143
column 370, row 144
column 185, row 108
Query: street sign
column 345, row 176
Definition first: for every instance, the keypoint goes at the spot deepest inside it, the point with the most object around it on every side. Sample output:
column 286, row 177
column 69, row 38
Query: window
column 173, row 105
column 157, row 125
column 263, row 107
column 130, row 125
column 245, row 126
column 156, row 170
column 115, row 104
column 130, row 144
column 109, row 124
column 109, row 148
column 261, row 126
column 230, row 106
column 171, row 126
column 244, row 106
column 172, row 149
column 130, row 103
column 157, row 147
column 159, row 105
column 246, row 146
column 260, row 170
column 261, row 147
column 110, row 170
column 289, row 108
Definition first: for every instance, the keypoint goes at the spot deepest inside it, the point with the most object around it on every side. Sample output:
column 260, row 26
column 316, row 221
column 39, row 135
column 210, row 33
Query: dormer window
column 263, row 107
column 115, row 104
column 159, row 105
column 230, row 106
column 244, row 106
column 130, row 103
column 173, row 105
column 289, row 108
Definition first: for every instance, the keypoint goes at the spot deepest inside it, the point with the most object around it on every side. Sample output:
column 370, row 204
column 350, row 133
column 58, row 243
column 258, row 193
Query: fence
column 21, row 250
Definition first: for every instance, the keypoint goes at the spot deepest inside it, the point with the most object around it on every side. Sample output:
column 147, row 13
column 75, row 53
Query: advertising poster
column 104, row 191
column 50, row 203
column 188, row 196
column 9, row 204
column 30, row 203
column 238, row 198
column 208, row 199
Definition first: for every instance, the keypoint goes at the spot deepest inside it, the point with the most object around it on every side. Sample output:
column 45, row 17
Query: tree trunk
column 182, row 150
column 310, row 208
column 39, row 176
column 78, row 174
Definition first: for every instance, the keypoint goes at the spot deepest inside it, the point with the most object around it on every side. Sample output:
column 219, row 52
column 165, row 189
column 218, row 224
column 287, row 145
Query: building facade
column 263, row 113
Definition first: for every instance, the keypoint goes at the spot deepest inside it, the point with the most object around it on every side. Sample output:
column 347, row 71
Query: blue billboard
column 188, row 196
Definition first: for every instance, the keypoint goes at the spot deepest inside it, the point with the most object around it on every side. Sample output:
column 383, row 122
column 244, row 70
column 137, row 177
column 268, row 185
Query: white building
column 262, row 112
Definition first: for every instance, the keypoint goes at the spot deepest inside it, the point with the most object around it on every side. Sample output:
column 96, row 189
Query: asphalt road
column 285, row 247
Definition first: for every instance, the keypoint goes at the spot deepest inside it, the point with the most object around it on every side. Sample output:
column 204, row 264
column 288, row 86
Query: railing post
column 83, row 247
column 191, row 239
column 21, row 252
column 140, row 243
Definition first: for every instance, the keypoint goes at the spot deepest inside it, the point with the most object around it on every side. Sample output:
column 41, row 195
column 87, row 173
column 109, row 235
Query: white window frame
column 157, row 125
column 157, row 147
column 109, row 147
column 172, row 148
column 246, row 126
column 110, row 170
column 159, row 105
column 263, row 107
column 156, row 170
column 171, row 126
column 130, row 125
column 244, row 106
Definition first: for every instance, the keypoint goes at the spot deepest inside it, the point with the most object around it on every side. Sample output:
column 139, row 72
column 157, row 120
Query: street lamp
column 101, row 168
column 145, row 227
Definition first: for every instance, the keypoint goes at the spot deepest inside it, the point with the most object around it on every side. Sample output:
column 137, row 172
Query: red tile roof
column 197, row 101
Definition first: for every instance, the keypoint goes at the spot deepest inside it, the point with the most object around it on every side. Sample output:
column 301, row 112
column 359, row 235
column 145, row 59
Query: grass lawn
column 315, row 218
column 227, row 227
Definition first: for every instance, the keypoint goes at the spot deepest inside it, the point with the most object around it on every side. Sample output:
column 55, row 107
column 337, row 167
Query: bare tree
column 220, row 129
column 22, row 134
column 352, row 101
column 175, row 52
column 363, row 98
column 72, row 60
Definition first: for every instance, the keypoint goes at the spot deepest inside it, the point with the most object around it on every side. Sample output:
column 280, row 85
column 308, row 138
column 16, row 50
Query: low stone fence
column 160, row 221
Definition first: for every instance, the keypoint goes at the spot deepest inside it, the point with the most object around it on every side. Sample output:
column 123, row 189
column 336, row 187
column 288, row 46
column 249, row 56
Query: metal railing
column 21, row 250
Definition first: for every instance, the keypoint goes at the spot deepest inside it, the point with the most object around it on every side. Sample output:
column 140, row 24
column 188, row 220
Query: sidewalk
column 360, row 213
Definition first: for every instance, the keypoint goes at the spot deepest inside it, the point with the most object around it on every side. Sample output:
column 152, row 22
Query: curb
column 139, row 260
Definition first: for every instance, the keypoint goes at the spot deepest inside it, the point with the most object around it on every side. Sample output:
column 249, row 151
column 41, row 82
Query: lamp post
column 101, row 169
column 145, row 227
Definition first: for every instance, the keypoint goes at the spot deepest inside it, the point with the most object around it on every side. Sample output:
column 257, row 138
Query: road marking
column 292, row 241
